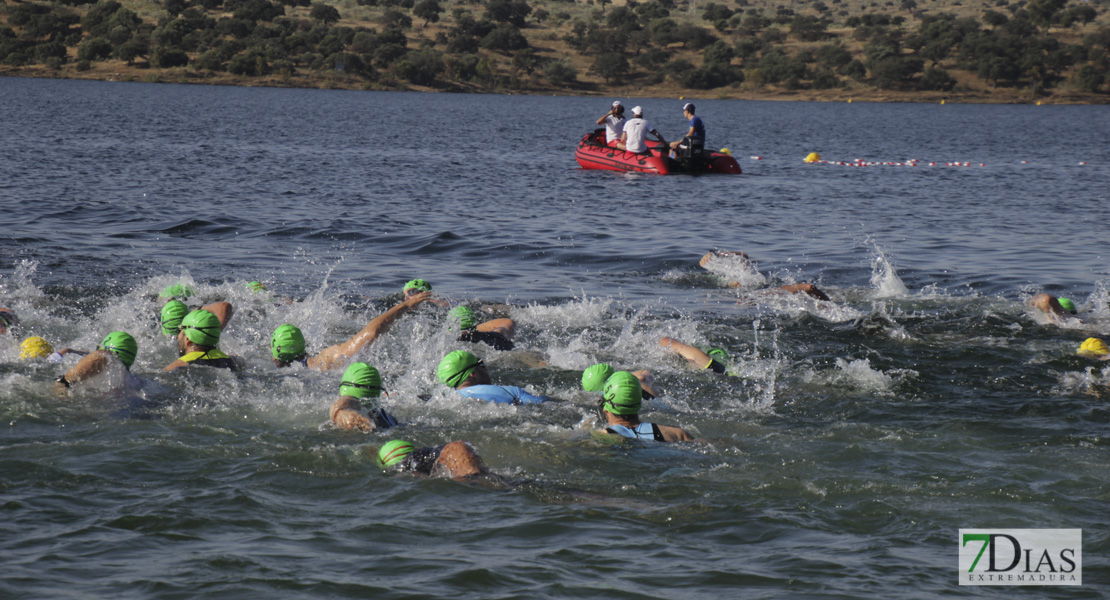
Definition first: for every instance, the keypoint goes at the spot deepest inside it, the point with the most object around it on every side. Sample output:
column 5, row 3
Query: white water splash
column 884, row 279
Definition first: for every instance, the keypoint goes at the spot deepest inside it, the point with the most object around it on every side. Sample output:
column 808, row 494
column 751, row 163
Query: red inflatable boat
column 592, row 153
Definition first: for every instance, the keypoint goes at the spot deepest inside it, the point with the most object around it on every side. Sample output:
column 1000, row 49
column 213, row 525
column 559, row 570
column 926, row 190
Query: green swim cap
column 419, row 284
column 177, row 290
column 622, row 394
column 256, row 286
column 461, row 317
column 201, row 327
column 1067, row 305
column 456, row 367
column 122, row 345
column 593, row 378
column 287, row 343
column 717, row 354
column 172, row 313
column 394, row 452
column 361, row 381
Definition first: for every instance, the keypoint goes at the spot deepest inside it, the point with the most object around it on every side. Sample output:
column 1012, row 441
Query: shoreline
column 120, row 73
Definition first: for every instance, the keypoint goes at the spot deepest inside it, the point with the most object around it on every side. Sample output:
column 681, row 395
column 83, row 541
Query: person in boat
column 287, row 344
column 496, row 333
column 709, row 359
column 197, row 341
column 634, row 135
column 358, row 405
column 619, row 407
column 468, row 376
column 794, row 288
column 8, row 320
column 614, row 124
column 695, row 134
column 117, row 348
column 457, row 460
column 1094, row 348
column 594, row 378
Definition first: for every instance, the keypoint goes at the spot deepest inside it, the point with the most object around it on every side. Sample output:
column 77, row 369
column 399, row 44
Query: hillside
column 1050, row 51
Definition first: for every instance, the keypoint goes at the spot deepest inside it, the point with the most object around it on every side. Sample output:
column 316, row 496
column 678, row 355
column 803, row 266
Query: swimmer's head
column 456, row 367
column 122, row 345
column 461, row 317
column 177, row 290
column 8, row 321
column 201, row 327
column 287, row 343
column 35, row 347
column 256, row 286
column 717, row 354
column 394, row 452
column 172, row 314
column 622, row 394
column 1093, row 348
column 416, row 286
column 1067, row 304
column 594, row 378
column 362, row 381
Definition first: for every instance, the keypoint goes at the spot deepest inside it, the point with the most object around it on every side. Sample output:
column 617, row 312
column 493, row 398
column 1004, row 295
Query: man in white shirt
column 614, row 123
column 633, row 139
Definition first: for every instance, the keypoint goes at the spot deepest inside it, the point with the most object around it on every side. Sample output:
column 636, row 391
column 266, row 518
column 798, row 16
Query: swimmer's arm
column 690, row 353
column 346, row 414
column 333, row 356
column 506, row 327
column 65, row 351
column 89, row 366
column 177, row 364
column 718, row 253
column 676, row 434
column 460, row 460
column 222, row 310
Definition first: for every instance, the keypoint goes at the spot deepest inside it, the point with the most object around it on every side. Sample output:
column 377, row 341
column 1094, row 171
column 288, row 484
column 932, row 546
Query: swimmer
column 177, row 291
column 37, row 347
column 712, row 359
column 8, row 320
column 1094, row 348
column 197, row 340
column 594, row 378
column 117, row 347
column 417, row 286
column 457, row 460
column 496, row 333
column 463, row 371
column 357, row 406
column 287, row 344
column 174, row 311
column 795, row 288
column 1056, row 308
column 620, row 408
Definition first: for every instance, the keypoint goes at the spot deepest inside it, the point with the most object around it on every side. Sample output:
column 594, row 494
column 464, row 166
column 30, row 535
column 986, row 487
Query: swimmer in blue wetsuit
column 357, row 406
column 463, row 371
column 620, row 407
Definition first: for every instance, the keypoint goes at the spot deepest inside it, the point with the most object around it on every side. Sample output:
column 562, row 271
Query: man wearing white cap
column 635, row 133
column 614, row 123
column 697, row 128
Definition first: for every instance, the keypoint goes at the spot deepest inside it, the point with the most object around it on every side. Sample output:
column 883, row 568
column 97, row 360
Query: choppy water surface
column 856, row 439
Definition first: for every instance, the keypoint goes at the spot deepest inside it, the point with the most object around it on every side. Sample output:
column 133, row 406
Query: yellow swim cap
column 1091, row 347
column 35, row 347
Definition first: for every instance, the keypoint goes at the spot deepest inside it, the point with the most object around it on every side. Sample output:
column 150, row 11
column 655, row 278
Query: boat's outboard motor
column 691, row 153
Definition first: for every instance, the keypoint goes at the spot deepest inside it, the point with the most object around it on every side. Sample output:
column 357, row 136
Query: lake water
column 855, row 441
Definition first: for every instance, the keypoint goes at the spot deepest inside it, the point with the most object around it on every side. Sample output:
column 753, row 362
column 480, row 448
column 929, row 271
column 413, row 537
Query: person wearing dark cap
column 634, row 136
column 614, row 124
column 696, row 131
